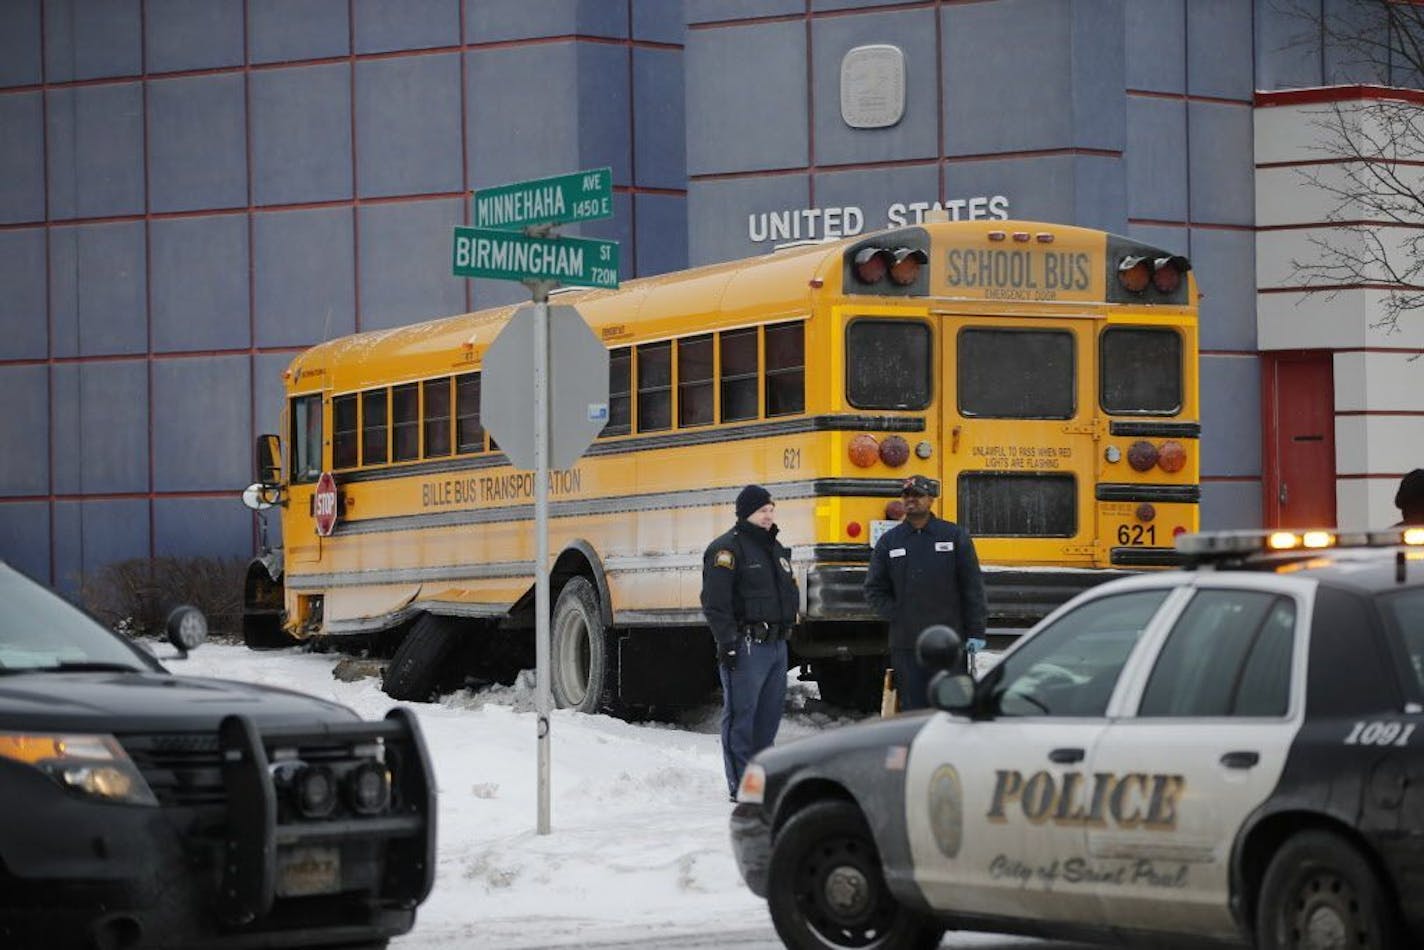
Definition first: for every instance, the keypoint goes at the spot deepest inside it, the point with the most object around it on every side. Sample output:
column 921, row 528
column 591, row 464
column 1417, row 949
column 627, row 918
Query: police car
column 142, row 809
column 1232, row 751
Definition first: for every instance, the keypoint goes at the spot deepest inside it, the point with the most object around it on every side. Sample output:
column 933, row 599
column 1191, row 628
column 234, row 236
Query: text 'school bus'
column 1046, row 375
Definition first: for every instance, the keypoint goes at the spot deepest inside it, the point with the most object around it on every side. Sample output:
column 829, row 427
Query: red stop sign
column 324, row 504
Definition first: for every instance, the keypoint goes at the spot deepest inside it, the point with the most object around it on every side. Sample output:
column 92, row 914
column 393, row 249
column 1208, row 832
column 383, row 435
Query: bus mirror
column 269, row 460
column 259, row 497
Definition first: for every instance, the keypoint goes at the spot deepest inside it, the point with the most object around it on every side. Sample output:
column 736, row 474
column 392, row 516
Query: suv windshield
column 39, row 630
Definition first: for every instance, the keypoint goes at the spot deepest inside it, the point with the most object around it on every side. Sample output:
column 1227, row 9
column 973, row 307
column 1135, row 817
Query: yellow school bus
column 1045, row 374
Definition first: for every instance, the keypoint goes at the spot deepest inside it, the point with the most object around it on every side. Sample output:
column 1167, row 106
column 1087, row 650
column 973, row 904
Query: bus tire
column 852, row 684
column 418, row 664
column 579, row 650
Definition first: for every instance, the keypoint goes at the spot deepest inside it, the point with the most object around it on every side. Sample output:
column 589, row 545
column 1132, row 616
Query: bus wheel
column 419, row 662
column 578, row 650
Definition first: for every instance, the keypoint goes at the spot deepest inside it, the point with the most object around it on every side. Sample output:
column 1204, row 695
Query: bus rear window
column 1016, row 374
column 996, row 504
column 888, row 364
column 1142, row 371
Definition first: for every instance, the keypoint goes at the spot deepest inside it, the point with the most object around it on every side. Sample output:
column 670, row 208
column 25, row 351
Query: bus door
column 1018, row 436
column 304, row 452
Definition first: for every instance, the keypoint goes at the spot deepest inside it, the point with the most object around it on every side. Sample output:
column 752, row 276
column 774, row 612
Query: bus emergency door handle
column 1240, row 760
column 1066, row 756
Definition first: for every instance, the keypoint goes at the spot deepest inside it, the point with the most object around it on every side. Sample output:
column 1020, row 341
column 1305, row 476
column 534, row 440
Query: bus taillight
column 863, row 450
column 1172, row 456
column 894, row 451
column 1142, row 455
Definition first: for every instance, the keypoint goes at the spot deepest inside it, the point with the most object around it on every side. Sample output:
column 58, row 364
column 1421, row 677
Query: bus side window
column 375, row 427
column 695, row 395
column 739, row 375
column 405, row 422
column 620, row 417
column 437, row 417
column 343, row 424
column 654, row 387
column 785, row 369
column 469, row 432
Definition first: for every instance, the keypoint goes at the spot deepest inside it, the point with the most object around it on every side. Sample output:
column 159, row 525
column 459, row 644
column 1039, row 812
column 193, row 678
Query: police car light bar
column 1211, row 545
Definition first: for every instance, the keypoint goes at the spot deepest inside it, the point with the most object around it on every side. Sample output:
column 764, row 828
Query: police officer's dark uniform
column 750, row 599
column 924, row 576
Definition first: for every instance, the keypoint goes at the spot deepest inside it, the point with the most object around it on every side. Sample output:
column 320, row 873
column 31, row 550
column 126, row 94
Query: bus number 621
column 1136, row 534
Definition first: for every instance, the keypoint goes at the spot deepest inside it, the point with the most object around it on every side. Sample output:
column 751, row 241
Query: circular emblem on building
column 324, row 504
column 946, row 801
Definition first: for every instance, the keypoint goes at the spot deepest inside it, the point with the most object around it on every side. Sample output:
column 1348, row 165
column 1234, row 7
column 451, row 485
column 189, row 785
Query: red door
column 1300, row 440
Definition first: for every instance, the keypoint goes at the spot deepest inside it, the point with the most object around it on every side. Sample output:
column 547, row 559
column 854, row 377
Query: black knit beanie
column 750, row 499
column 1410, row 494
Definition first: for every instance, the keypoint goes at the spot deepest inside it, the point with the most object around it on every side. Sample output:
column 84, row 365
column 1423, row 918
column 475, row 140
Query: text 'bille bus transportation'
column 1046, row 374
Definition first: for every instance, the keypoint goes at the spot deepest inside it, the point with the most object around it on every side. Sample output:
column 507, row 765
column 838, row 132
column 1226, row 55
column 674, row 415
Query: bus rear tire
column 853, row 684
column 418, row 664
column 579, row 650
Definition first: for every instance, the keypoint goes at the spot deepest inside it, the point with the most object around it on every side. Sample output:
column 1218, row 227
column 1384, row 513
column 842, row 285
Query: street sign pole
column 495, row 248
column 543, row 699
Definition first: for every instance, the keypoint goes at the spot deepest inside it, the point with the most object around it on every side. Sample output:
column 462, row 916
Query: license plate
column 877, row 528
column 305, row 871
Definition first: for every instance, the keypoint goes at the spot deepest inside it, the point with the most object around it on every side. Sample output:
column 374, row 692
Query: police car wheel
column 1320, row 893
column 825, row 888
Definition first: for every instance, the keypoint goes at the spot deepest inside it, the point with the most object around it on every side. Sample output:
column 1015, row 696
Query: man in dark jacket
column 922, row 572
column 750, row 599
column 1410, row 499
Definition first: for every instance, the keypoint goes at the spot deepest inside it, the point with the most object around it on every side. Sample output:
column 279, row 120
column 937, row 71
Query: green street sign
column 509, row 255
column 563, row 199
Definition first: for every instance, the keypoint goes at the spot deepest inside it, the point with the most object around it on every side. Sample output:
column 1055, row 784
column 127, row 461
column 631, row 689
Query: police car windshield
column 40, row 631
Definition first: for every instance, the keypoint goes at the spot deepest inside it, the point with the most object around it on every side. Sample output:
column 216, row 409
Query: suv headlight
column 95, row 766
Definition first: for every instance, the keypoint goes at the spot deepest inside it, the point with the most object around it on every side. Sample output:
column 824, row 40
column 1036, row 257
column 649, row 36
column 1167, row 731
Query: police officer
column 923, row 571
column 1410, row 499
column 750, row 599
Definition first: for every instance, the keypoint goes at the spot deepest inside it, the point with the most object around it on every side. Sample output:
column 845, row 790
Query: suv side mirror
column 952, row 692
column 269, row 460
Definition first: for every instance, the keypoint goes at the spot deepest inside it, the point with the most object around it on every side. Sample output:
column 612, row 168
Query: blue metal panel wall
column 192, row 191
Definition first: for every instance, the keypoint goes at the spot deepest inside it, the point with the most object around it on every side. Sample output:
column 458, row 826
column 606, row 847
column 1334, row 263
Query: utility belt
column 763, row 632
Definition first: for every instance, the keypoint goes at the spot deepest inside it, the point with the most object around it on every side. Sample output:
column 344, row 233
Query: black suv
column 143, row 809
column 1231, row 751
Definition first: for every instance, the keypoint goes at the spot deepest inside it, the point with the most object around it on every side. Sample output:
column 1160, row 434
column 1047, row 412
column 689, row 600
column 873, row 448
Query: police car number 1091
column 1219, row 753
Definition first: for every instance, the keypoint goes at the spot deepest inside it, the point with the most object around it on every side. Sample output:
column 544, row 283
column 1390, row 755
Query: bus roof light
column 1167, row 273
column 1134, row 273
column 906, row 266
column 872, row 264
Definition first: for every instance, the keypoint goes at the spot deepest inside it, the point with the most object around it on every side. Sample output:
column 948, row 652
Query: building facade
column 192, row 191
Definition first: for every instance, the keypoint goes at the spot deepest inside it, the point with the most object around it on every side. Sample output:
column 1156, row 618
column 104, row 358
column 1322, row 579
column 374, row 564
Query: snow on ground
column 639, row 844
